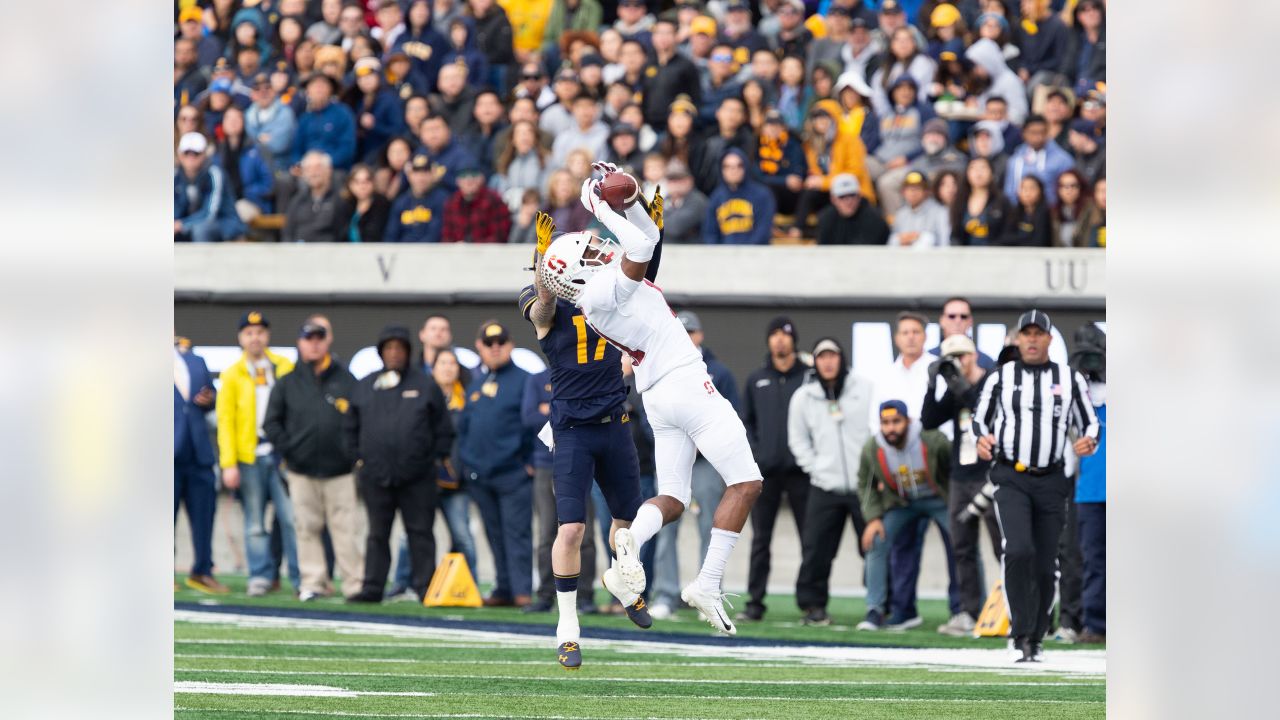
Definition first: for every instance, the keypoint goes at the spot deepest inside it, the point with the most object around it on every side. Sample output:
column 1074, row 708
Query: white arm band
column 636, row 245
column 640, row 218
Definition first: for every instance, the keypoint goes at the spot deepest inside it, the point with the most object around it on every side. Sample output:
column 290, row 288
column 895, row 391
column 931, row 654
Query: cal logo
column 255, row 318
column 415, row 216
column 342, row 404
column 490, row 389
column 650, row 71
column 475, row 396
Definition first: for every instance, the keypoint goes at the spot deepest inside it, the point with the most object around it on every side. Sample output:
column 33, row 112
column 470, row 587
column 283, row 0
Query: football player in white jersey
column 687, row 414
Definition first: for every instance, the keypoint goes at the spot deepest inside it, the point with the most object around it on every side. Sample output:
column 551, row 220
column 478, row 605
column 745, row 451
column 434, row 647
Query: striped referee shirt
column 1029, row 407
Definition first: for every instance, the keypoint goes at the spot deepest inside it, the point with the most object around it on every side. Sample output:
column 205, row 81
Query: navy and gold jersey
column 586, row 371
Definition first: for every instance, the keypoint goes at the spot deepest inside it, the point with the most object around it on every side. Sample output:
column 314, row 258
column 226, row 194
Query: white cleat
column 628, row 563
column 710, row 607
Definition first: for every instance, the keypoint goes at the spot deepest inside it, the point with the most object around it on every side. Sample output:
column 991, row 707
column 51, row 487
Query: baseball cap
column 676, row 169
column 890, row 408
column 915, row 177
column 192, row 142
column 567, row 74
column 936, row 125
column 192, row 13
column 957, row 345
column 703, row 24
column 493, row 331
column 737, row 5
column 313, row 329
column 420, row 162
column 689, row 320
column 1037, row 318
column 468, row 168
column 889, row 7
column 253, row 317
column 773, row 116
column 903, row 79
column 844, row 185
column 261, row 79
column 944, row 15
column 367, row 65
column 633, row 3
column 591, row 59
column 623, row 129
column 221, row 85
column 783, row 323
column 1086, row 127
column 827, row 345
column 683, row 104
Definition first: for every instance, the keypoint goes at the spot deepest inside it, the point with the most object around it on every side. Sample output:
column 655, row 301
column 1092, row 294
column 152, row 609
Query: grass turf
column 422, row 676
column 782, row 622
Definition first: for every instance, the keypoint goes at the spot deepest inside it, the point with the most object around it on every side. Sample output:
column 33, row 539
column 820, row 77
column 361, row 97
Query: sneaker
column 874, row 621
column 405, row 595
column 537, row 606
column 638, row 611
column 207, row 584
column 816, row 616
column 1037, row 651
column 1089, row 637
column 397, row 589
column 660, row 611
column 258, row 587
column 899, row 624
column 711, row 605
column 570, row 655
column 1030, row 650
column 628, row 562
column 751, row 613
column 960, row 625
column 307, row 596
column 498, row 601
column 1067, row 636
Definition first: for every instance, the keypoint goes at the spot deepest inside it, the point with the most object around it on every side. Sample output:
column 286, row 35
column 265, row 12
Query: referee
column 1022, row 419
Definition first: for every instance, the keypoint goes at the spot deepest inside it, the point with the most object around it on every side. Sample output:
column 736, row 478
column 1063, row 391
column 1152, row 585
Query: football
column 620, row 190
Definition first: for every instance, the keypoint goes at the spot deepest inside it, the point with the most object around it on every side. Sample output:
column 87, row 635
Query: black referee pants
column 825, row 516
column 764, row 514
column 1031, row 510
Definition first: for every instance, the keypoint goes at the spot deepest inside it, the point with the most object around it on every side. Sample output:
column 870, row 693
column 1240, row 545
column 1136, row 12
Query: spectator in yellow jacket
column 528, row 20
column 831, row 148
column 249, row 463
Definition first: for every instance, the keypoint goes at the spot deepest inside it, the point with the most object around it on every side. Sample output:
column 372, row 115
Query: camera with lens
column 979, row 504
column 952, row 373
column 1090, row 356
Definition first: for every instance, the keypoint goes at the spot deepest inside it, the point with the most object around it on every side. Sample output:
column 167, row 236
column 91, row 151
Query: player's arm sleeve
column 637, row 241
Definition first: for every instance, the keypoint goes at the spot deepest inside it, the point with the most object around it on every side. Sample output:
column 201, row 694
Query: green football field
column 236, row 657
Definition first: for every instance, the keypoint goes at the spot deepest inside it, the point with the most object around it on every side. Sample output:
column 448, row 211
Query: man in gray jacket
column 922, row 222
column 827, row 425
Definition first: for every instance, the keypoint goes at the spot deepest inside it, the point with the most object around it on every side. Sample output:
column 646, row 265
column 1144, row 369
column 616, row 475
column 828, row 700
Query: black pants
column 1093, row 546
column 825, row 515
column 544, row 509
column 965, row 536
column 785, row 199
column 416, row 502
column 1032, row 510
column 1069, row 566
column 763, row 517
column 810, row 202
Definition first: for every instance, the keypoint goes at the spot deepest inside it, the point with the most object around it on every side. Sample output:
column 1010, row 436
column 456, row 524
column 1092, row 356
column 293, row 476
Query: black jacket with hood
column 305, row 417
column 766, row 397
column 399, row 432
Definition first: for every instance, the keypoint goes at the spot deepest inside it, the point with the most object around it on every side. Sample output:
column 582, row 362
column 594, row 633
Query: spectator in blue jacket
column 204, row 210
column 423, row 45
column 780, row 162
column 1037, row 156
column 494, row 449
column 718, row 83
column 270, row 122
column 193, row 460
column 437, row 141
column 247, row 173
column 740, row 210
column 327, row 125
column 461, row 47
column 378, row 110
column 417, row 215
column 188, row 77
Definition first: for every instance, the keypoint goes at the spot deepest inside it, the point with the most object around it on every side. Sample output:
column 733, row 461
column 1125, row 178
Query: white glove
column 595, row 204
column 604, row 168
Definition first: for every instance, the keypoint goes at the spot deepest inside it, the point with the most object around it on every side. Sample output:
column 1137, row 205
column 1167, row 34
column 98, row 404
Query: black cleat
column 537, row 606
column 1028, row 648
column 570, row 656
column 639, row 614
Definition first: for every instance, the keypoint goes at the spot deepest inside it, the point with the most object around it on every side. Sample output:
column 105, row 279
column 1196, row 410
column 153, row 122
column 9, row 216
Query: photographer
column 958, row 370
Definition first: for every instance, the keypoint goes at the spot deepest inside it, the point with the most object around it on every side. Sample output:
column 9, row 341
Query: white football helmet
column 572, row 259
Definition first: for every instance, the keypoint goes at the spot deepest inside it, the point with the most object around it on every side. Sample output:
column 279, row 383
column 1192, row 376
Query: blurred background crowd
column 918, row 123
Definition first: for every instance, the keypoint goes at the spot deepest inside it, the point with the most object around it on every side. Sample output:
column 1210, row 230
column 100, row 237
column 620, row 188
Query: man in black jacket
column 398, row 426
column 766, row 397
column 960, row 375
column 850, row 219
column 304, row 422
column 670, row 74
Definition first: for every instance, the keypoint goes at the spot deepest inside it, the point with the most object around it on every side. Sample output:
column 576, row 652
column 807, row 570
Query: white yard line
column 1080, row 662
column 676, row 680
column 212, row 688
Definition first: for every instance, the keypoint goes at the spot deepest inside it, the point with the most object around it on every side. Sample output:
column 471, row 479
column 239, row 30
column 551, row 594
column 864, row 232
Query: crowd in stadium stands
column 917, row 123
column 337, row 459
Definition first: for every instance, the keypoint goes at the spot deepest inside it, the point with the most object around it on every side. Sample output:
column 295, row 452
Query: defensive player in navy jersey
column 590, row 436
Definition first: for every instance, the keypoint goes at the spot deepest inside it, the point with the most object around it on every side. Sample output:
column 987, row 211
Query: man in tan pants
column 304, row 421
